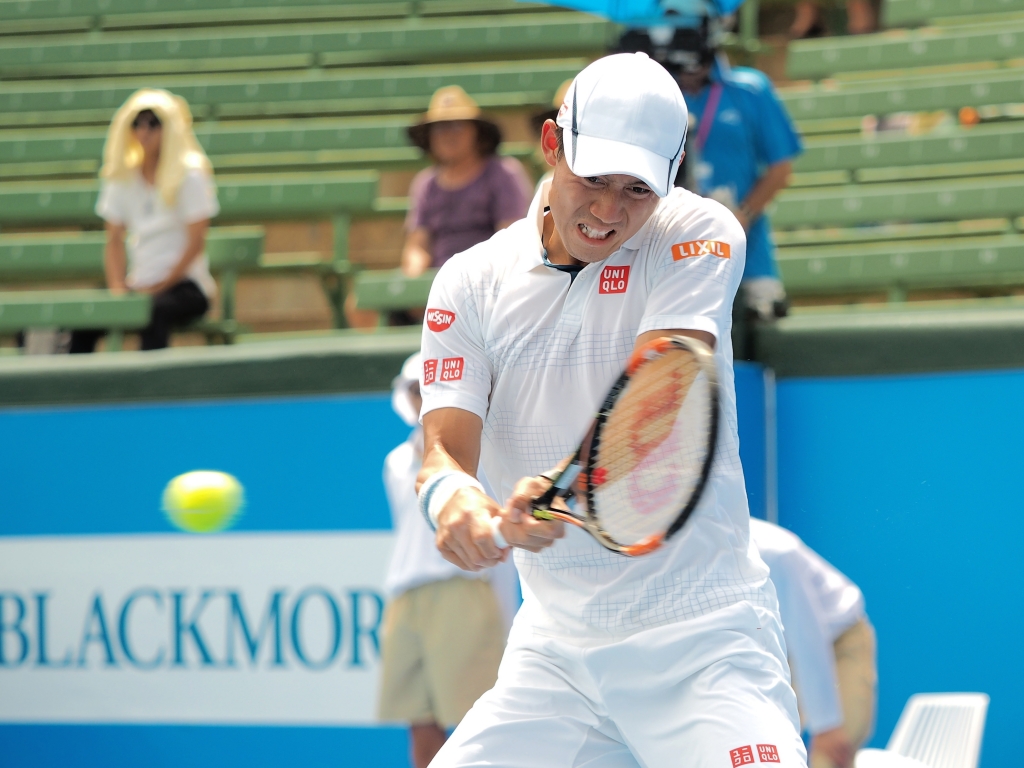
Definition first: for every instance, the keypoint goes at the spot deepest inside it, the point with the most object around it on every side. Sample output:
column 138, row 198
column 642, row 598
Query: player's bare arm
column 451, row 439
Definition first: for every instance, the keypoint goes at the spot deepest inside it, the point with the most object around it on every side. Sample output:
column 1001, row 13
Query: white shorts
column 711, row 692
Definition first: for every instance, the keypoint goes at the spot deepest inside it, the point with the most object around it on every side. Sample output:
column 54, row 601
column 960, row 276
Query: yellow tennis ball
column 203, row 501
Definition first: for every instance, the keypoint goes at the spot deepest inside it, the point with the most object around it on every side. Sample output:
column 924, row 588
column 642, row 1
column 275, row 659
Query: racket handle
column 499, row 540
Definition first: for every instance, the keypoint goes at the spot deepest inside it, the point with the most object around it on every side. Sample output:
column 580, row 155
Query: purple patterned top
column 458, row 219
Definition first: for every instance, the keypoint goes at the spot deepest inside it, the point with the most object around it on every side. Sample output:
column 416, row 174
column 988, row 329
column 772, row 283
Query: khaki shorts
column 441, row 648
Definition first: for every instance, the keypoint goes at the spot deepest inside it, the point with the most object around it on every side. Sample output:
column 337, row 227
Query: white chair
column 883, row 758
column 937, row 730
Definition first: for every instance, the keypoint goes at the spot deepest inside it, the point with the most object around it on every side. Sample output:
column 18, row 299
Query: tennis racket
column 645, row 461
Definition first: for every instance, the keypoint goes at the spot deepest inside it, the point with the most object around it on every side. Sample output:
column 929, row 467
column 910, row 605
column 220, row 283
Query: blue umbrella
column 646, row 13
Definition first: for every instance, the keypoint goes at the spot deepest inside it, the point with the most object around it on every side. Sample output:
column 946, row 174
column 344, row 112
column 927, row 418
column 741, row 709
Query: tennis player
column 674, row 658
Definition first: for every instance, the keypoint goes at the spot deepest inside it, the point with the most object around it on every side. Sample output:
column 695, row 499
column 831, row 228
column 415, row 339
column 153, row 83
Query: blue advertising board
column 910, row 485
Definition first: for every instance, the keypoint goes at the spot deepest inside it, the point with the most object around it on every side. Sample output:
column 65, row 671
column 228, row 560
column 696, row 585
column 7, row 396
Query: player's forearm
column 451, row 440
column 774, row 180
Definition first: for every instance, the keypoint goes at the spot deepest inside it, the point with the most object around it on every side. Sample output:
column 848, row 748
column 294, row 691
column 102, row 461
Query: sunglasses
column 145, row 121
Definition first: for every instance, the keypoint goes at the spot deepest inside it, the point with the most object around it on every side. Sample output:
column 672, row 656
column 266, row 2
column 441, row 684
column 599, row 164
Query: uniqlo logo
column 767, row 753
column 429, row 372
column 742, row 756
column 439, row 319
column 451, row 368
column 614, row 280
column 700, row 248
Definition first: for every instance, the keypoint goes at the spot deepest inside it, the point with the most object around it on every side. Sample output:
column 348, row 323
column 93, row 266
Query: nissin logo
column 614, row 280
column 693, row 248
column 440, row 319
column 150, row 628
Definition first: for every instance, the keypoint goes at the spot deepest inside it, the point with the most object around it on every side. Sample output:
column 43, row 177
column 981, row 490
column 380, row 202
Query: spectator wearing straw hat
column 468, row 193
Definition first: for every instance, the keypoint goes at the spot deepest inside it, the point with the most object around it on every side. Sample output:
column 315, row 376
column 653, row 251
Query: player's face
column 595, row 215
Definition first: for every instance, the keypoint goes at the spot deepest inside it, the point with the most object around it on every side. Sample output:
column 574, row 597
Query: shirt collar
column 531, row 254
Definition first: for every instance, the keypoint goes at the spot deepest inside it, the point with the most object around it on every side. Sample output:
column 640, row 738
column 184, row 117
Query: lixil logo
column 701, row 248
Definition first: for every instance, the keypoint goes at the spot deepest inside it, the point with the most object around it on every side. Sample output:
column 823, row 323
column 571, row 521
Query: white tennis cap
column 624, row 114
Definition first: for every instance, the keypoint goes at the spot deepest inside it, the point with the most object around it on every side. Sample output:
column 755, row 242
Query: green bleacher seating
column 25, row 16
column 298, row 46
column 907, row 93
column 340, row 91
column 932, row 46
column 911, row 201
column 45, row 257
column 320, row 144
column 970, row 262
column 384, row 290
column 996, row 141
column 79, row 255
column 74, row 309
column 242, row 198
column 892, row 232
column 906, row 13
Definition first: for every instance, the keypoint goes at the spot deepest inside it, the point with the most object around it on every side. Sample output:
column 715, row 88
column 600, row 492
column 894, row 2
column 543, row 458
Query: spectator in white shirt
column 831, row 645
column 444, row 628
column 157, row 193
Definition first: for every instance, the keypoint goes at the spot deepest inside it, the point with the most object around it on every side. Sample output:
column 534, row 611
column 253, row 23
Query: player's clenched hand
column 464, row 532
column 520, row 528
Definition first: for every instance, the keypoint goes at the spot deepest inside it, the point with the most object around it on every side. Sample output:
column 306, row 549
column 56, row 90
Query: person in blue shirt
column 740, row 147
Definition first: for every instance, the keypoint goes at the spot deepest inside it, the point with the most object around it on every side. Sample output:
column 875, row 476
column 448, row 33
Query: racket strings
column 652, row 448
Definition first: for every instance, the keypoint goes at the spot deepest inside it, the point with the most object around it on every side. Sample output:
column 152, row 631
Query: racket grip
column 499, row 540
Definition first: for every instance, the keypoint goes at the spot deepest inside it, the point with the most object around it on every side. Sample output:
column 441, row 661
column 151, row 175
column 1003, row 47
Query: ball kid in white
column 673, row 658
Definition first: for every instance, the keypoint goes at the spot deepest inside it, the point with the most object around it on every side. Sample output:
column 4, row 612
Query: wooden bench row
column 382, row 142
column 928, row 47
column 295, row 46
column 381, row 90
column 908, row 13
column 54, row 16
column 361, row 90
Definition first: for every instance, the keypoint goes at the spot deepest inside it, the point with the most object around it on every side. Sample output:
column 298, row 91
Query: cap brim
column 601, row 157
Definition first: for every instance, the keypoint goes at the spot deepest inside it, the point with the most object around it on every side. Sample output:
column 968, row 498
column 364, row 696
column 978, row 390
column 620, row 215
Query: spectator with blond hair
column 157, row 199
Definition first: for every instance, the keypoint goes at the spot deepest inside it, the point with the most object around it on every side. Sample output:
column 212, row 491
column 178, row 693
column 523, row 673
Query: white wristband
column 499, row 540
column 439, row 489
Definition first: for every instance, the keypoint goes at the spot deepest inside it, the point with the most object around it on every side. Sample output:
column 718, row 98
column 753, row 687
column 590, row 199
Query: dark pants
column 176, row 306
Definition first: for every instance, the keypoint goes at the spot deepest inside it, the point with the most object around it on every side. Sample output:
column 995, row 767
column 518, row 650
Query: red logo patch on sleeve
column 614, row 280
column 451, row 368
column 429, row 371
column 767, row 753
column 439, row 319
column 693, row 248
column 742, row 756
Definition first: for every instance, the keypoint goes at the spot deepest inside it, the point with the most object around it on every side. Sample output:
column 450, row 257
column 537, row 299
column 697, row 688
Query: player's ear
column 549, row 142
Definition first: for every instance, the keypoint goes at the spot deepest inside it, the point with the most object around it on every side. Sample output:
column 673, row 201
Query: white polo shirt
column 510, row 339
column 157, row 233
column 817, row 604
